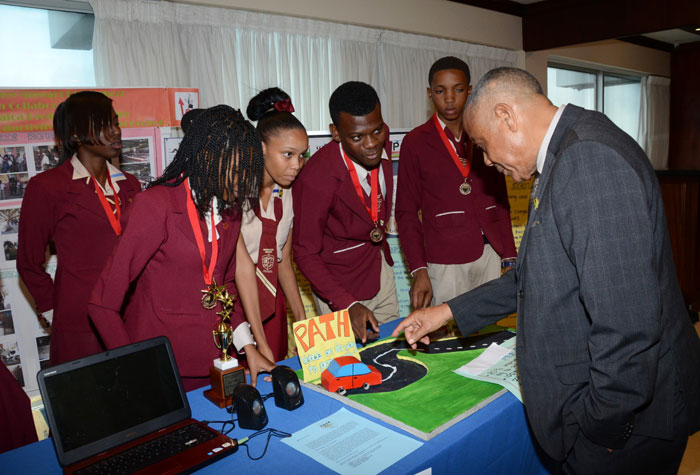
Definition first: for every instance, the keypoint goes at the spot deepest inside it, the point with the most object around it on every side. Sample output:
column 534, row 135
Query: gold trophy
column 225, row 374
column 223, row 337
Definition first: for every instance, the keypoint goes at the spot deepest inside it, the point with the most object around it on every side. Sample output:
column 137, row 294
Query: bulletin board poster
column 31, row 110
column 519, row 197
column 146, row 115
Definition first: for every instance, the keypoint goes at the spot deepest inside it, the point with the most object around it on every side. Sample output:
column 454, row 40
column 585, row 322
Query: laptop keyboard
column 151, row 452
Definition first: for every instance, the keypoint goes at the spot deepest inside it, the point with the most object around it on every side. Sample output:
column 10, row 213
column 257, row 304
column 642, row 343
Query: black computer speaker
column 287, row 388
column 249, row 407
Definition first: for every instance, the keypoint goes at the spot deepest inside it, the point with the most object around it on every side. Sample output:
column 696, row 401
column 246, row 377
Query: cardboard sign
column 321, row 339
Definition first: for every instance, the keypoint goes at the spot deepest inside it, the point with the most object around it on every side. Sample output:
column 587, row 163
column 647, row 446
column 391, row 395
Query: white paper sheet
column 350, row 444
column 497, row 364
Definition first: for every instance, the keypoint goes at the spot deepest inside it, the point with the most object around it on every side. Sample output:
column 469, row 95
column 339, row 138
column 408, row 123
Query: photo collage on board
column 9, row 346
column 13, row 172
column 137, row 158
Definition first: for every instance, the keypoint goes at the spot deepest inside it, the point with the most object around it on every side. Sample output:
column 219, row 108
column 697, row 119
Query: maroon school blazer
column 16, row 417
column 330, row 236
column 450, row 232
column 157, row 264
column 68, row 211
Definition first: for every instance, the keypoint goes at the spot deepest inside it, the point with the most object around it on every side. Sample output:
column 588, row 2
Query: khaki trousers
column 451, row 280
column 385, row 304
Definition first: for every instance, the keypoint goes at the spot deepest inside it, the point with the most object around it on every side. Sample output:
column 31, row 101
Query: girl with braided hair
column 266, row 226
column 181, row 239
column 80, row 205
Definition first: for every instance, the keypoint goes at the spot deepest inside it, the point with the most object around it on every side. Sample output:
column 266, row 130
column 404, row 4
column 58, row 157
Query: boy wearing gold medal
column 342, row 202
column 464, row 231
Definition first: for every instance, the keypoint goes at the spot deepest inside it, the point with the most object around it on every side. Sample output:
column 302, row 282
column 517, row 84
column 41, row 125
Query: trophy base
column 225, row 365
column 223, row 382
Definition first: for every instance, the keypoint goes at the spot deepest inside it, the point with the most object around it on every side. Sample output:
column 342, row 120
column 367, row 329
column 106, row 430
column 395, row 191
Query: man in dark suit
column 465, row 230
column 609, row 363
column 342, row 202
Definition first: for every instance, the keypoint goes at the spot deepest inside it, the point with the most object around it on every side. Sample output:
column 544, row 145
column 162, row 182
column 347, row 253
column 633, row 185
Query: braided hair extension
column 270, row 119
column 221, row 154
column 187, row 119
column 85, row 114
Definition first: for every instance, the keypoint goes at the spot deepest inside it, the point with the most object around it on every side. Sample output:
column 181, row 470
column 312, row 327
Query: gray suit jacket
column 605, row 345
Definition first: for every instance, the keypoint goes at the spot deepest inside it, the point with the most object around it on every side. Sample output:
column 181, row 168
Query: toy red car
column 347, row 372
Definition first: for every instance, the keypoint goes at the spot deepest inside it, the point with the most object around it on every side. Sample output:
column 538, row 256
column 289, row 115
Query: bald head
column 507, row 116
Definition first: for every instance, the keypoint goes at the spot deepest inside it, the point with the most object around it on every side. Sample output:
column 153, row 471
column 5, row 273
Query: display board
column 420, row 392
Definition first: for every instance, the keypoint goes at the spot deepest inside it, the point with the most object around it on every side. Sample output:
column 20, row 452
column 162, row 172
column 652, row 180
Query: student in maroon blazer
column 63, row 205
column 16, row 417
column 332, row 224
column 463, row 221
column 157, row 262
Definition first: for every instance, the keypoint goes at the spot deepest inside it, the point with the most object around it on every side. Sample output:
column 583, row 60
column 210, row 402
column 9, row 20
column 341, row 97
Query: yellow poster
column 321, row 339
column 518, row 194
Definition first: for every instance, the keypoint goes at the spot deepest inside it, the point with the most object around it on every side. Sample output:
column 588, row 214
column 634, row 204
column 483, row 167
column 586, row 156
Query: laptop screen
column 104, row 400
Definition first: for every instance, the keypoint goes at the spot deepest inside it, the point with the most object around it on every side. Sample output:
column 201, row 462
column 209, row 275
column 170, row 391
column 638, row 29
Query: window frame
column 75, row 6
column 600, row 72
column 85, row 76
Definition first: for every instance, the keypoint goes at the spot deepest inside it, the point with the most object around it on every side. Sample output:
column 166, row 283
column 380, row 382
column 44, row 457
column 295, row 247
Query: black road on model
column 398, row 373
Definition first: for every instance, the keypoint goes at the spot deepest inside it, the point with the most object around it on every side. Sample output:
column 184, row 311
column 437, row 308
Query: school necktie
column 459, row 145
column 266, row 269
column 379, row 191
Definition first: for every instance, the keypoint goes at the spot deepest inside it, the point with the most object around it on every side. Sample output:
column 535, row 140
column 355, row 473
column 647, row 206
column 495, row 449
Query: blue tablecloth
column 495, row 439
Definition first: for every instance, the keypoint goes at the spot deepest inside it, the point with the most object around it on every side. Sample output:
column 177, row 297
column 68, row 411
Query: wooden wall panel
column 684, row 140
column 681, row 195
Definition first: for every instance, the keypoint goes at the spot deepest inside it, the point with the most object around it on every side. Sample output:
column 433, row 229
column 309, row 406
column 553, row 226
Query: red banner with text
column 31, row 110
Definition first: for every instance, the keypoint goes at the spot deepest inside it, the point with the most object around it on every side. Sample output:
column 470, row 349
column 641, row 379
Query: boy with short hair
column 464, row 231
column 342, row 202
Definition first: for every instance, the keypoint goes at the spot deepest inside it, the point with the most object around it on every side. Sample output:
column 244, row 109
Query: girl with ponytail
column 266, row 226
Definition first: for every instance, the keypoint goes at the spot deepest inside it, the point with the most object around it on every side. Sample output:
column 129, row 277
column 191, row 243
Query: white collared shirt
column 542, row 154
column 363, row 176
column 115, row 174
column 251, row 226
column 442, row 124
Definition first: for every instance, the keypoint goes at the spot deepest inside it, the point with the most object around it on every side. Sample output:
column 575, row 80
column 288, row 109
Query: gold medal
column 209, row 300
column 376, row 235
column 211, row 296
column 465, row 188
